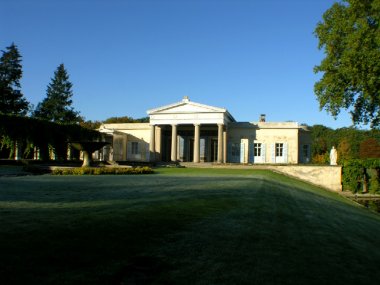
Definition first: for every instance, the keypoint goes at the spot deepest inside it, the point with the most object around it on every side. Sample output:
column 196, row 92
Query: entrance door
column 190, row 156
column 214, row 150
column 166, row 148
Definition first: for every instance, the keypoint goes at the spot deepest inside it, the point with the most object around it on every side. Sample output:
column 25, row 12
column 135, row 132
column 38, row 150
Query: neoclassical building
column 187, row 131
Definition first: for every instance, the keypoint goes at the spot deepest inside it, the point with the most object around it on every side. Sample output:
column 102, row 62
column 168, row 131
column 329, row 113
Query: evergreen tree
column 12, row 100
column 56, row 107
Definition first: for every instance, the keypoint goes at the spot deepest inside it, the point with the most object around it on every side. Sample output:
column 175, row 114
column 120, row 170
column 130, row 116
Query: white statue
column 333, row 156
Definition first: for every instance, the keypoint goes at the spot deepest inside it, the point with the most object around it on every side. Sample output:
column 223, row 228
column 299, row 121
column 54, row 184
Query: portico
column 191, row 131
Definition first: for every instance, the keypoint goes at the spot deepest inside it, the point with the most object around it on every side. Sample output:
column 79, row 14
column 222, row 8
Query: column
column 36, row 153
column 174, row 143
column 196, row 143
column 225, row 146
column 152, row 145
column 158, row 144
column 220, row 143
column 69, row 152
column 17, row 151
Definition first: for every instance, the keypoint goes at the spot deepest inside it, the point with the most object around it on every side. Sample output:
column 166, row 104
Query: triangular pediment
column 186, row 107
column 187, row 112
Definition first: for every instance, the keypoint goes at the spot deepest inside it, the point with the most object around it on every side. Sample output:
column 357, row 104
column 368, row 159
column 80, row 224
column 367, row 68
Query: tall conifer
column 12, row 100
column 56, row 107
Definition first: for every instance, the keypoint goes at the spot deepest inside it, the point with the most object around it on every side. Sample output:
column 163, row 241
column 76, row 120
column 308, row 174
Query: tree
column 56, row 107
column 119, row 120
column 142, row 120
column 350, row 37
column 344, row 150
column 125, row 119
column 12, row 100
column 92, row 125
column 369, row 148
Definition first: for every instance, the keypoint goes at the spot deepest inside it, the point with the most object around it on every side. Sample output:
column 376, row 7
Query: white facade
column 189, row 131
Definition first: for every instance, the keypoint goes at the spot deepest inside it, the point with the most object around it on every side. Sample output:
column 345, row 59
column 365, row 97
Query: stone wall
column 329, row 177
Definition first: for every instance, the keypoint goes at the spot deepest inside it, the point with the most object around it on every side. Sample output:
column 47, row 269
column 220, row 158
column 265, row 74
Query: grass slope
column 183, row 226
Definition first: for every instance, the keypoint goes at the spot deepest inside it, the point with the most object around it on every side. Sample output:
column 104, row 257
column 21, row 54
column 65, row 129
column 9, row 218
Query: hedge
column 102, row 170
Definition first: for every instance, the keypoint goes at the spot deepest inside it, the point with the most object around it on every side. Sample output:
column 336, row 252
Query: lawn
column 183, row 226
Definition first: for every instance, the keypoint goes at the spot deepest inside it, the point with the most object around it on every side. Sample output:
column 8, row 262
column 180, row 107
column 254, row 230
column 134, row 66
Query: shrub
column 374, row 185
column 102, row 171
column 356, row 172
column 321, row 158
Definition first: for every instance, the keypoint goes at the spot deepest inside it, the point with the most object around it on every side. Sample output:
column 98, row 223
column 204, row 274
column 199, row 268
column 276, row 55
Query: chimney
column 262, row 118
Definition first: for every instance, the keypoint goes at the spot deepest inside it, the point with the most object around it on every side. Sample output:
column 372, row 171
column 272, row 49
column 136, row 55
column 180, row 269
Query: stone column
column 225, row 147
column 152, row 145
column 17, row 151
column 158, row 144
column 36, row 153
column 196, row 143
column 174, row 143
column 220, row 143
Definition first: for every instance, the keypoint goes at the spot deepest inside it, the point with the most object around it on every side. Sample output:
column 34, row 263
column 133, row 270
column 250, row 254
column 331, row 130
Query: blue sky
column 125, row 57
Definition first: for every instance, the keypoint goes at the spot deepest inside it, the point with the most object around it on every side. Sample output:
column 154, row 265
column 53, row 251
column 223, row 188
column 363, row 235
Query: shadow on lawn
column 140, row 270
column 149, row 228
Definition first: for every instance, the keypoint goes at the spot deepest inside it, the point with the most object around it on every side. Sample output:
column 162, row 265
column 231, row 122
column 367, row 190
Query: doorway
column 214, row 150
column 190, row 152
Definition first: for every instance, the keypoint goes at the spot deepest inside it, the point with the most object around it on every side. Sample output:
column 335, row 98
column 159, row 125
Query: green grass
column 183, row 226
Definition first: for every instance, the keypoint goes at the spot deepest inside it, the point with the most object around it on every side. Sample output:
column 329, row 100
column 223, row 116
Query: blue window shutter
column 273, row 153
column 285, row 152
column 251, row 152
column 263, row 152
column 242, row 154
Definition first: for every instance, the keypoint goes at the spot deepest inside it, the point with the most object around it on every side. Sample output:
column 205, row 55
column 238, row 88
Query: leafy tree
column 350, row 37
column 369, row 148
column 56, row 107
column 119, row 120
column 344, row 150
column 125, row 119
column 12, row 100
column 351, row 143
column 142, row 120
column 92, row 125
column 320, row 136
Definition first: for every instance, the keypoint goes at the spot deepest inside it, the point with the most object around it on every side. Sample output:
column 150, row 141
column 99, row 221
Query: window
column 235, row 149
column 305, row 152
column 279, row 149
column 257, row 149
column 135, row 148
